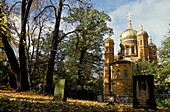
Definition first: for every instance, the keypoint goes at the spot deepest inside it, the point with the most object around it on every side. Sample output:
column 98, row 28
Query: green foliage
column 90, row 21
column 133, row 69
column 164, row 51
column 162, row 80
column 38, row 62
column 3, row 18
column 4, row 73
column 146, row 68
column 163, row 74
column 2, row 54
column 6, row 76
column 83, row 61
column 163, row 102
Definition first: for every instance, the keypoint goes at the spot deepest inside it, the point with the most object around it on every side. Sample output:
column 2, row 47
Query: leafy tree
column 5, row 36
column 163, row 75
column 19, row 69
column 146, row 68
column 36, row 48
column 2, row 52
column 56, row 38
column 84, row 52
column 30, row 41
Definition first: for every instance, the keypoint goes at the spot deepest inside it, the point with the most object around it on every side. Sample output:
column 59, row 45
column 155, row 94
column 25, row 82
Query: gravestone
column 59, row 90
column 143, row 92
column 99, row 98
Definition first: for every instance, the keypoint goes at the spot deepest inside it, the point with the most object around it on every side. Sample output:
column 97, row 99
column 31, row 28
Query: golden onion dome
column 152, row 44
column 130, row 33
column 142, row 32
column 108, row 40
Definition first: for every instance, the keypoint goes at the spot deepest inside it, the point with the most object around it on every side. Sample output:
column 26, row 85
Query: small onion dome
column 152, row 45
column 108, row 40
column 142, row 32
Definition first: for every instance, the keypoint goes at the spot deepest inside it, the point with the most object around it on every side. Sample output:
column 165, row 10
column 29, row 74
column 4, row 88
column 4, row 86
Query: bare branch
column 45, row 9
column 15, row 28
column 51, row 2
column 75, row 31
column 13, row 6
column 67, row 6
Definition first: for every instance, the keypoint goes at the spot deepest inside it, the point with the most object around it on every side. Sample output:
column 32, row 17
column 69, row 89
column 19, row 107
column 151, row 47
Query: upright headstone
column 59, row 90
column 143, row 92
column 99, row 98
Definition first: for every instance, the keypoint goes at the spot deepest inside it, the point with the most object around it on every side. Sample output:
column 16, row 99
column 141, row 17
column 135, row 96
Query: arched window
column 127, row 50
column 118, row 74
column 144, row 42
column 133, row 49
column 110, row 49
column 107, row 49
column 112, row 74
column 140, row 42
column 125, row 73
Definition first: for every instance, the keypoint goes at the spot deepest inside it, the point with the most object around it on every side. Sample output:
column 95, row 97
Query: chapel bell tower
column 152, row 52
column 142, row 43
column 108, row 59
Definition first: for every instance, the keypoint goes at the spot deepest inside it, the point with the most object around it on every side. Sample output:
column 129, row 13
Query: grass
column 11, row 101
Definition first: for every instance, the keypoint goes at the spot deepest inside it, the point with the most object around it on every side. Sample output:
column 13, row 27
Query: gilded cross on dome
column 109, row 33
column 141, row 25
column 129, row 16
column 150, row 39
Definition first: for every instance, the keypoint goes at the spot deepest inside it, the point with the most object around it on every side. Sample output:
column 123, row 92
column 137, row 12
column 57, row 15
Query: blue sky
column 153, row 14
column 108, row 5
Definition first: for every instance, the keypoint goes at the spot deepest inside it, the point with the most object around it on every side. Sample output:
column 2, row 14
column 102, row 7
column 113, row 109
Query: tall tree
column 162, row 78
column 84, row 57
column 37, row 35
column 25, row 8
column 19, row 69
column 5, row 35
column 56, row 39
column 50, row 70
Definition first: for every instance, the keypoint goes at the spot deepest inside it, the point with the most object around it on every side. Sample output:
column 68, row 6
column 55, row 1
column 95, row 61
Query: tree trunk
column 19, row 71
column 10, row 55
column 80, row 78
column 80, row 65
column 12, row 60
column 50, row 69
column 23, row 69
column 25, row 8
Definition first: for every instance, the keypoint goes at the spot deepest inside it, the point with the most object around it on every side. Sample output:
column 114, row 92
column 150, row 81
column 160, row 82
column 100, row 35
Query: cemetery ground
column 11, row 101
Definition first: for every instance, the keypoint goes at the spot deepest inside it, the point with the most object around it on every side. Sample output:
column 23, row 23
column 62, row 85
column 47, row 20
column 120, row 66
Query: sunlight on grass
column 11, row 101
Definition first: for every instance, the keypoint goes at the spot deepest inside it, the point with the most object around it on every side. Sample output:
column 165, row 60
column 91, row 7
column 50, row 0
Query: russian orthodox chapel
column 134, row 47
